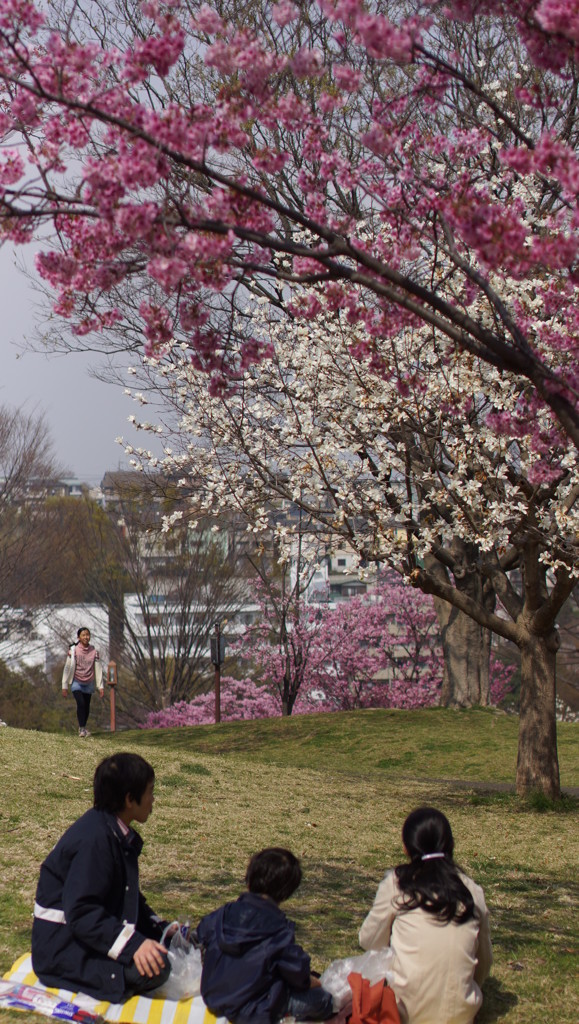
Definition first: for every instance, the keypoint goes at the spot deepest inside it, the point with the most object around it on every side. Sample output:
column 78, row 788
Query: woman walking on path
column 84, row 669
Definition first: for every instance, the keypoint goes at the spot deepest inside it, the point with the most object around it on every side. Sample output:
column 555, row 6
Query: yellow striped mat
column 138, row 1010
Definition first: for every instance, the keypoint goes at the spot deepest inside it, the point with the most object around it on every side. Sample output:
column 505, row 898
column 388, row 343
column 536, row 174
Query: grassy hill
column 336, row 789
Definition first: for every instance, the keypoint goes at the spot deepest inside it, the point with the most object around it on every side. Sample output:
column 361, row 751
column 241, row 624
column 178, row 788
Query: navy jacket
column 251, row 961
column 89, row 916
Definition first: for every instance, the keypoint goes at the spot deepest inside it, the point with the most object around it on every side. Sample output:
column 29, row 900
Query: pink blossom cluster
column 243, row 700
column 239, row 699
column 161, row 52
column 501, row 679
column 559, row 18
column 325, row 163
column 335, row 659
column 20, row 13
column 550, row 157
column 11, row 167
column 285, row 12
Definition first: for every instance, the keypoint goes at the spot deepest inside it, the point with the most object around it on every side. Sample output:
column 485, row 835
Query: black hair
column 80, row 629
column 274, row 872
column 432, row 883
column 118, row 777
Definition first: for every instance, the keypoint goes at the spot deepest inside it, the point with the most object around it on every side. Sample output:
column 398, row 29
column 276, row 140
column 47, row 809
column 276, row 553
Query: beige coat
column 437, row 967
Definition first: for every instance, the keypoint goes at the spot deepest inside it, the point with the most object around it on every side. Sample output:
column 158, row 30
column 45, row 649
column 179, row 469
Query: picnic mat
column 138, row 1010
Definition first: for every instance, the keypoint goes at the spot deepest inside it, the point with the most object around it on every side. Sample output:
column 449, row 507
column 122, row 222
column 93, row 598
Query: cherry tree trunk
column 466, row 648
column 537, row 761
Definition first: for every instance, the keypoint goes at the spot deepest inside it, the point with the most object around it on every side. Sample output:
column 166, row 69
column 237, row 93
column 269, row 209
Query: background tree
column 82, row 561
column 407, row 470
column 28, row 469
column 381, row 650
column 568, row 659
column 279, row 645
column 330, row 141
column 30, row 700
column 241, row 699
column 338, row 145
column 175, row 585
column 162, row 590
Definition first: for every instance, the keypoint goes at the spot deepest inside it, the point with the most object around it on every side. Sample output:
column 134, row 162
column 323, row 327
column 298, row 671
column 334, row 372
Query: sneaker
column 83, row 733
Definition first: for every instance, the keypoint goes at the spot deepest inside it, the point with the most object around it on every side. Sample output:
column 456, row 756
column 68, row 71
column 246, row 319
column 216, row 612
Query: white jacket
column 70, row 665
column 438, row 968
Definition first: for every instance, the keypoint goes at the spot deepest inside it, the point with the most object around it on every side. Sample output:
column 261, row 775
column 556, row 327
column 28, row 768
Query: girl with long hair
column 435, row 919
column 83, row 670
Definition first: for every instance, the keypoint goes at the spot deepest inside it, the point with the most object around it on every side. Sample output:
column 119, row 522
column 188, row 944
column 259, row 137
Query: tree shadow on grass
column 530, row 933
column 532, row 928
column 497, row 1001
column 535, row 916
column 330, row 907
column 191, row 898
column 531, row 919
column 486, row 794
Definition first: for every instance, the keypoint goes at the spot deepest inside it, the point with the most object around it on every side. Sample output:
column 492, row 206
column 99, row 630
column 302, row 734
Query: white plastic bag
column 184, row 980
column 374, row 965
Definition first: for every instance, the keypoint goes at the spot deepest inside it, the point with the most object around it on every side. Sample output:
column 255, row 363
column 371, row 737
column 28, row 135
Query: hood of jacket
column 250, row 920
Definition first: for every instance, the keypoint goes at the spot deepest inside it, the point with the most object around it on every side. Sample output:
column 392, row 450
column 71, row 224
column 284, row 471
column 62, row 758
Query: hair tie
column 431, row 856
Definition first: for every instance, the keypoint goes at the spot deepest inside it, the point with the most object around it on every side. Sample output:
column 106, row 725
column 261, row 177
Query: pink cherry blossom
column 285, row 12
column 424, row 192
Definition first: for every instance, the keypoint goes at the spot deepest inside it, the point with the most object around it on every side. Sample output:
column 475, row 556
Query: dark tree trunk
column 116, row 609
column 537, row 762
column 466, row 645
column 532, row 608
column 287, row 693
column 466, row 648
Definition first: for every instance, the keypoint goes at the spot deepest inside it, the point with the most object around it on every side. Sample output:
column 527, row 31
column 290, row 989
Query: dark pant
column 82, row 706
column 139, row 984
column 313, row 1004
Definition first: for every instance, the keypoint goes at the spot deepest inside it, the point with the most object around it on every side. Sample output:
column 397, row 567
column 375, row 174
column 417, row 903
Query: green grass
column 473, row 745
column 336, row 789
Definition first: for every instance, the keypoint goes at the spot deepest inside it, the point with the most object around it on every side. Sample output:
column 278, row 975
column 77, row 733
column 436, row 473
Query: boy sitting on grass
column 253, row 970
column 93, row 931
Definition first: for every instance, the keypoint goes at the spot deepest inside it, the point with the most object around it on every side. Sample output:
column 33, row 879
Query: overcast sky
column 84, row 415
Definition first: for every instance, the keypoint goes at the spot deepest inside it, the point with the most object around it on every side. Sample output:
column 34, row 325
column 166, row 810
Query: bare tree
column 171, row 585
column 28, row 468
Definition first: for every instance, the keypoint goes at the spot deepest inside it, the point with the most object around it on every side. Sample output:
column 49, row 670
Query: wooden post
column 217, row 657
column 217, row 693
column 218, row 676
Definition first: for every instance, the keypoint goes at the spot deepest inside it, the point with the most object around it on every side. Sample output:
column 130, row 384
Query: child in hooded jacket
column 253, row 970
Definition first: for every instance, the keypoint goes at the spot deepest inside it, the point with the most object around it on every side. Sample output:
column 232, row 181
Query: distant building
column 39, row 637
column 161, row 617
column 37, row 489
column 117, row 484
